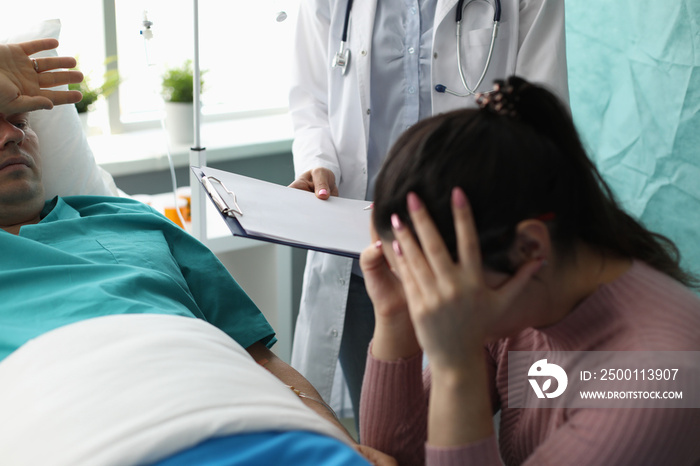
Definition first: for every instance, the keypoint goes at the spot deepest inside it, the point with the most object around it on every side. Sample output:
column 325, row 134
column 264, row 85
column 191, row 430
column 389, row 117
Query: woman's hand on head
column 320, row 181
column 383, row 286
column 394, row 336
column 454, row 312
column 25, row 82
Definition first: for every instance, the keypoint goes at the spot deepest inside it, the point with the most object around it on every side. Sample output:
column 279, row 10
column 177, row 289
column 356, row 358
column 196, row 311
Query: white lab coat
column 331, row 115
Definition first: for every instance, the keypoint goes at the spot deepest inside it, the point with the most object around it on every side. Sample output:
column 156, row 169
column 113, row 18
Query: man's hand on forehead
column 25, row 82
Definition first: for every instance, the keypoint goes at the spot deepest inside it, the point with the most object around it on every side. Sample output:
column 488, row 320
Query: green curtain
column 634, row 78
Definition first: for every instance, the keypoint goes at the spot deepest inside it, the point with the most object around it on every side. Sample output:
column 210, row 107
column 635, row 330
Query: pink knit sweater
column 642, row 310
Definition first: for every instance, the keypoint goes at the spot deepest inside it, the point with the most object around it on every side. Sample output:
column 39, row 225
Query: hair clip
column 501, row 101
column 546, row 217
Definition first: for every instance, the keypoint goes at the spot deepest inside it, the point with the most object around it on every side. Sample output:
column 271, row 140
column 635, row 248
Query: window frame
column 114, row 116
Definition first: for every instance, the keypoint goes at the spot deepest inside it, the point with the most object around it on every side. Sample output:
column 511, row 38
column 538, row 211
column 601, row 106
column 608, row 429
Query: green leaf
column 111, row 81
column 178, row 82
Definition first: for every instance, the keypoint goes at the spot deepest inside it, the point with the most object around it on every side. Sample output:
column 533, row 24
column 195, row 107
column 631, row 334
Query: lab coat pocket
column 475, row 46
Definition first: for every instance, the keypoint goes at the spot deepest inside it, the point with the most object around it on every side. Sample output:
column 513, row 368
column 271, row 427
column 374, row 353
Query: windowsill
column 145, row 151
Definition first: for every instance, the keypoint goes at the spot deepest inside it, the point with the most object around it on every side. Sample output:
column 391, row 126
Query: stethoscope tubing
column 342, row 58
column 460, row 6
column 344, row 37
column 494, row 33
column 472, row 91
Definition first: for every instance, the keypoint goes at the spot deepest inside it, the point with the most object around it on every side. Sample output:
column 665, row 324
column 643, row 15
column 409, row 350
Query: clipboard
column 278, row 214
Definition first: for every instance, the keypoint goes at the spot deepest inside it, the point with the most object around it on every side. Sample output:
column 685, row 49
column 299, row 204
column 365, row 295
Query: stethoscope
column 342, row 57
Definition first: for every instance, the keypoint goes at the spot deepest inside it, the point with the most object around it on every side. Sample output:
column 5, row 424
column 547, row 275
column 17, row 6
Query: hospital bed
column 142, row 389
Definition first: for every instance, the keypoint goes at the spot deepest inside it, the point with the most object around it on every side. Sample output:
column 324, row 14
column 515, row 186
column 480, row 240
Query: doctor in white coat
column 345, row 122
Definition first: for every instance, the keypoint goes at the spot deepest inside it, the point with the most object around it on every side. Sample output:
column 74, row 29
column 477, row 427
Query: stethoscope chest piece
column 342, row 58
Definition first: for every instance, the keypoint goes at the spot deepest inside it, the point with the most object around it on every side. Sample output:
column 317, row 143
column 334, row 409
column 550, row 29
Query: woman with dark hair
column 495, row 233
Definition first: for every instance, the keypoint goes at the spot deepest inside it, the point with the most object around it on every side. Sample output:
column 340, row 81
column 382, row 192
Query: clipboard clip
column 221, row 204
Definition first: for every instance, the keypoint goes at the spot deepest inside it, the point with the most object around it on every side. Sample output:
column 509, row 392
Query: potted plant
column 178, row 93
column 110, row 83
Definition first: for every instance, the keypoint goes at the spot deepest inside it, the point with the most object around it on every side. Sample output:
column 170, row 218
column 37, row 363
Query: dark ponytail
column 517, row 157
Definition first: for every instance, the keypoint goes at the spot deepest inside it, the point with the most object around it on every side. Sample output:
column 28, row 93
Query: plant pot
column 179, row 122
column 87, row 121
column 84, row 121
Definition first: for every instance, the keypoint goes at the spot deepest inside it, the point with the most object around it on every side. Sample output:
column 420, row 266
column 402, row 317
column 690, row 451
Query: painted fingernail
column 378, row 244
column 458, row 198
column 414, row 203
column 397, row 248
column 396, row 222
column 323, row 192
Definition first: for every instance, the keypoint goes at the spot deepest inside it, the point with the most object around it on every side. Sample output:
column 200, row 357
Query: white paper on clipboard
column 276, row 213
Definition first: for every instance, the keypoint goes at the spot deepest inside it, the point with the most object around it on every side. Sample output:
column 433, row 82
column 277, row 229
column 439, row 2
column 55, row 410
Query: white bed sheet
column 133, row 389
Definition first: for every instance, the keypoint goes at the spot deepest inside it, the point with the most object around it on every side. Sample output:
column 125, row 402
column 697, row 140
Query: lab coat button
column 435, row 55
column 363, row 52
column 341, row 281
column 335, row 333
column 411, row 50
column 411, row 90
column 364, row 171
column 368, row 111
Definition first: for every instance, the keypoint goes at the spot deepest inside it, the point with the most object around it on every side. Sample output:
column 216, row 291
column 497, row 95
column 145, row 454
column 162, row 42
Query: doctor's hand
column 453, row 310
column 319, row 180
column 24, row 81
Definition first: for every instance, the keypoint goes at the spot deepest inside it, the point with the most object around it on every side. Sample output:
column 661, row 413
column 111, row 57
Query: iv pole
column 198, row 154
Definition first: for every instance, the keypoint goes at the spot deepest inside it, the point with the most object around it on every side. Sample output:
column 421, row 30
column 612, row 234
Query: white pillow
column 69, row 167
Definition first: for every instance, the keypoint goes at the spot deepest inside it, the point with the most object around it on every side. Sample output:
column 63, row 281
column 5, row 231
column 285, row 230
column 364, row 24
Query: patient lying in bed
column 123, row 340
column 148, row 388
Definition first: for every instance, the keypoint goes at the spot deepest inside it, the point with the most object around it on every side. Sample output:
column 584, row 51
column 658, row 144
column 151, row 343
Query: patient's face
column 20, row 166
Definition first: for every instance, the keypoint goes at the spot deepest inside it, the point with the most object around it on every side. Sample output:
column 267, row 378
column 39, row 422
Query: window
column 246, row 53
column 82, row 27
